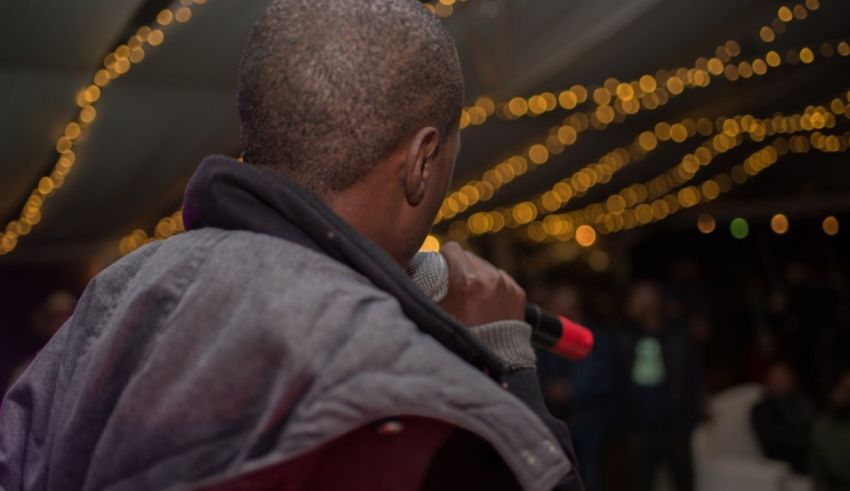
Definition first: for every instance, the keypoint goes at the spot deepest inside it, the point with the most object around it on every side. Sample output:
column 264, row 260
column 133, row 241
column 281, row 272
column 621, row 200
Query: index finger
column 457, row 261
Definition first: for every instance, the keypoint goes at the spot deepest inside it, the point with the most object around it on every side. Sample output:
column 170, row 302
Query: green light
column 739, row 228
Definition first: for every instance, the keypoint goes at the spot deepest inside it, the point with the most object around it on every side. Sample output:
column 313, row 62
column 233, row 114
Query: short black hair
column 327, row 88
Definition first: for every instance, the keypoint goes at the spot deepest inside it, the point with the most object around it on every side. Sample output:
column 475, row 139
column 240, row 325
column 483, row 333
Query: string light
column 629, row 95
column 669, row 204
column 648, row 207
column 485, row 187
column 116, row 64
column 730, row 135
column 165, row 228
column 559, row 138
column 785, row 15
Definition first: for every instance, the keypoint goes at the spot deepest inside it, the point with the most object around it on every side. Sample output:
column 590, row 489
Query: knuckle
column 451, row 247
column 471, row 281
column 522, row 295
column 450, row 251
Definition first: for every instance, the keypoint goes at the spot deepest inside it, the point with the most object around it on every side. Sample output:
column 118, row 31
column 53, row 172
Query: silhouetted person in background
column 783, row 418
column 580, row 392
column 830, row 444
column 659, row 376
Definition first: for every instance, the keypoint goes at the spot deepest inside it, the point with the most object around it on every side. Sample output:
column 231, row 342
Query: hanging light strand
column 614, row 91
column 729, row 135
column 116, row 64
column 566, row 134
column 691, row 196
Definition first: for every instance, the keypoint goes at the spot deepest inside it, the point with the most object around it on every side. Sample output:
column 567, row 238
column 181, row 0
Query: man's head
column 565, row 299
column 781, row 380
column 331, row 91
column 645, row 305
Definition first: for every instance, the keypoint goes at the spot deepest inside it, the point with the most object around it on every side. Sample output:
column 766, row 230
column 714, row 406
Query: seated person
column 783, row 418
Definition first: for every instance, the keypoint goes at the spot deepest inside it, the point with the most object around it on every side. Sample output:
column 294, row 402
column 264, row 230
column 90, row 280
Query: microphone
column 430, row 272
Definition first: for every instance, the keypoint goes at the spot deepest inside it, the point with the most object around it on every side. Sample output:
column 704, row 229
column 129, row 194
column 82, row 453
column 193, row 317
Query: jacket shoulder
column 250, row 259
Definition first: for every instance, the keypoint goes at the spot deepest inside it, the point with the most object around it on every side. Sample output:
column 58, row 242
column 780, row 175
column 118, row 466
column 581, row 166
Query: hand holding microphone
column 477, row 293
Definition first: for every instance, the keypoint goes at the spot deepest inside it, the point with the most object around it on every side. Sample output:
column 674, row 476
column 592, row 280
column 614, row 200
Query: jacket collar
column 228, row 195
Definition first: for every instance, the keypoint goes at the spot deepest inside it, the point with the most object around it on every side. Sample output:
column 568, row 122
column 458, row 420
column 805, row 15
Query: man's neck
column 367, row 213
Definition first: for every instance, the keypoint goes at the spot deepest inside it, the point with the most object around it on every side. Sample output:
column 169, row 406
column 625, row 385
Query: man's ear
column 420, row 158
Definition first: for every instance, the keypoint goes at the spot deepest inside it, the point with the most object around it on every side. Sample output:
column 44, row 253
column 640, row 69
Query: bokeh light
column 739, row 228
column 779, row 224
column 586, row 236
column 706, row 223
column 830, row 225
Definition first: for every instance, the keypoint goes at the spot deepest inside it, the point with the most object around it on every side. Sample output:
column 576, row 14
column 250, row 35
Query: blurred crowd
column 666, row 345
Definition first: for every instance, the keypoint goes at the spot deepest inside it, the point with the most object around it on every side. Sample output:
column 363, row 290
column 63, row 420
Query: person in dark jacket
column 782, row 419
column 279, row 344
column 830, row 444
column 659, row 373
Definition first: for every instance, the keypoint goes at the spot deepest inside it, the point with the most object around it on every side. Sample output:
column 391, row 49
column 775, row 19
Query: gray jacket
column 168, row 377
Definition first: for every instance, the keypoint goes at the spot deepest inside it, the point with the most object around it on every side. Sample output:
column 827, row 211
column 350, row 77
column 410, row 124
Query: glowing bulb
column 568, row 99
column 538, row 154
column 156, row 37
column 648, row 83
column 773, row 59
column 183, row 15
column 739, row 228
column 164, row 17
column 647, row 141
column 779, row 224
column 830, row 225
column 585, row 235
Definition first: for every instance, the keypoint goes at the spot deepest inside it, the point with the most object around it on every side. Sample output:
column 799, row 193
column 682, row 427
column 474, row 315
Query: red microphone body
column 558, row 334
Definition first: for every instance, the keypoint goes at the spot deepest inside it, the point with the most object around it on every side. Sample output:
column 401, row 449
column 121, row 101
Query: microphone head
column 430, row 272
